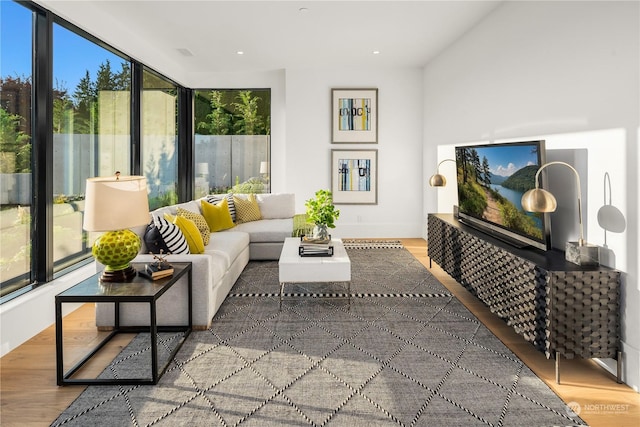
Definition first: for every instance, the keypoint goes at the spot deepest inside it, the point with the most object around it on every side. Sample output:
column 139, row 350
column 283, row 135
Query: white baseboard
column 378, row 230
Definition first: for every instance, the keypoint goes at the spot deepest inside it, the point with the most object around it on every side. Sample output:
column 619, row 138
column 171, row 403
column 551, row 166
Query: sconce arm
column 445, row 160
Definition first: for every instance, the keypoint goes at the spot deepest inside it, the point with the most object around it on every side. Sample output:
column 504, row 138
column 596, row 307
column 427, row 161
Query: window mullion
column 136, row 115
column 185, row 144
column 42, row 160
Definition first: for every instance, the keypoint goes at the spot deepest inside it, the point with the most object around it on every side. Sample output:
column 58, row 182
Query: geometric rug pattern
column 402, row 351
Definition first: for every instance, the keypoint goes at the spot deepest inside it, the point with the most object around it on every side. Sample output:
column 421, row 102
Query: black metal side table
column 140, row 290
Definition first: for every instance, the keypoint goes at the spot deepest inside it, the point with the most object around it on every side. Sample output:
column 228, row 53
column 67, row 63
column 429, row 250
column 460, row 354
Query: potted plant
column 322, row 213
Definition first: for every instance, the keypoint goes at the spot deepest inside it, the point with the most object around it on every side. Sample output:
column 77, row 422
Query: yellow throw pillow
column 217, row 216
column 199, row 221
column 189, row 231
column 247, row 210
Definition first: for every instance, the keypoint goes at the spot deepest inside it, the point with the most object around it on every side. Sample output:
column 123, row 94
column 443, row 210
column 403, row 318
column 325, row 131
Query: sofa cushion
column 267, row 230
column 192, row 206
column 217, row 198
column 228, row 245
column 247, row 210
column 172, row 236
column 273, row 206
column 217, row 216
column 199, row 221
column 189, row 231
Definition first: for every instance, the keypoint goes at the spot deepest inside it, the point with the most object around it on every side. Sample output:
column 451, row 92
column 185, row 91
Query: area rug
column 400, row 351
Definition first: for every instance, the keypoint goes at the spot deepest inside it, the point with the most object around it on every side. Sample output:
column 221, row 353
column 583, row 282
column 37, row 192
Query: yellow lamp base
column 116, row 249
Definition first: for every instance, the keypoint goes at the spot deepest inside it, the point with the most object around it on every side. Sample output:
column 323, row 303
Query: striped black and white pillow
column 173, row 237
column 216, row 198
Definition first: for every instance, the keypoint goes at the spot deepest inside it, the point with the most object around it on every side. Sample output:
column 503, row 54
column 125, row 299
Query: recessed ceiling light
column 303, row 10
column 240, row 52
column 376, row 52
column 184, row 51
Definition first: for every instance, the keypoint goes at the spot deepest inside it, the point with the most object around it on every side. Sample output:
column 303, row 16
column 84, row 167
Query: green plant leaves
column 320, row 210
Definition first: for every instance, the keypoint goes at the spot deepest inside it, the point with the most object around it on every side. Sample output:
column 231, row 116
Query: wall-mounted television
column 491, row 181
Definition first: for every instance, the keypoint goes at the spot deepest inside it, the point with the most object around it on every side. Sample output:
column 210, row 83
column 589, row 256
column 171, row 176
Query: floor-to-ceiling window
column 232, row 141
column 91, row 132
column 16, row 27
column 70, row 109
column 159, row 145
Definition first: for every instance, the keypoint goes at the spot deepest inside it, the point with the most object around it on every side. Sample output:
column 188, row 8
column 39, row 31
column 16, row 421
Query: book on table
column 156, row 271
column 310, row 240
column 315, row 250
column 313, row 246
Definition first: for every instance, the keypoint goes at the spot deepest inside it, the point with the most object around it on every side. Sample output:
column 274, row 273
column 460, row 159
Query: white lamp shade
column 113, row 203
column 264, row 167
column 202, row 169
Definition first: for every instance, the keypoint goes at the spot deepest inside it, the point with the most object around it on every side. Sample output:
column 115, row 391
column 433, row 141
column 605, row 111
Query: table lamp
column 540, row 200
column 113, row 205
column 202, row 170
column 264, row 167
column 439, row 180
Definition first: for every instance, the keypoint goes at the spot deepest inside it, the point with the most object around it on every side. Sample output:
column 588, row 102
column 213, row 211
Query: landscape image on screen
column 491, row 182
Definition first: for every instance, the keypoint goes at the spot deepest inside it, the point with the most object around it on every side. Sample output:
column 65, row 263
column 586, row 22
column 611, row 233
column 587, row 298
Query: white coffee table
column 294, row 268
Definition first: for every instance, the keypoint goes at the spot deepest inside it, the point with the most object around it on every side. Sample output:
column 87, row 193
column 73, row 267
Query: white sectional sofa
column 216, row 270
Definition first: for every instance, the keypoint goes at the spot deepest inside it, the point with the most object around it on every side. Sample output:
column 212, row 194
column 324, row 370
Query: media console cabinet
column 563, row 309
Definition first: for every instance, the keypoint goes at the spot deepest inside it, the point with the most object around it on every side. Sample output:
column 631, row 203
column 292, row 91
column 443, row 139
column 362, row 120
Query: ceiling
column 274, row 35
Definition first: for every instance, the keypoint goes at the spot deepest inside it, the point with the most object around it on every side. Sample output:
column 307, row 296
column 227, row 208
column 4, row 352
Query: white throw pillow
column 173, row 237
column 277, row 206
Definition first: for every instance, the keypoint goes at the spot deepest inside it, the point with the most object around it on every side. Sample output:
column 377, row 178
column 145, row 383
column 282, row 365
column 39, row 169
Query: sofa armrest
column 201, row 265
column 202, row 282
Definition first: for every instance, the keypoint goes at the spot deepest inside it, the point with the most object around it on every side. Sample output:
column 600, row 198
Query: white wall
column 301, row 141
column 567, row 72
column 400, row 177
column 29, row 314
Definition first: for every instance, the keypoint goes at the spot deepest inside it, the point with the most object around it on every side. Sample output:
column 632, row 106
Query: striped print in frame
column 354, row 115
column 354, row 176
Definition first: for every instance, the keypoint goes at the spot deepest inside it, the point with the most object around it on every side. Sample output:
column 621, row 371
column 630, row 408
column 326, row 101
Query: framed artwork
column 354, row 116
column 354, row 177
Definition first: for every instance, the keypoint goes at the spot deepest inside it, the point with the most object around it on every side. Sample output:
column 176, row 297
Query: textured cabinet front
column 582, row 311
column 552, row 304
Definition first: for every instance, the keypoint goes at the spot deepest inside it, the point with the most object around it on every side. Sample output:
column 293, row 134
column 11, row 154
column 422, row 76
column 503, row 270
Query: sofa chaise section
column 216, row 270
column 213, row 275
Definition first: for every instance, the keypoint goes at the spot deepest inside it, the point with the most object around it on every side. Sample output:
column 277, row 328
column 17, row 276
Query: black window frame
column 41, row 233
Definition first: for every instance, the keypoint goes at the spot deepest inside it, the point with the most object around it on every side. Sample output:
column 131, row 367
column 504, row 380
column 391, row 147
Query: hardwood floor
column 603, row 401
column 30, row 397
